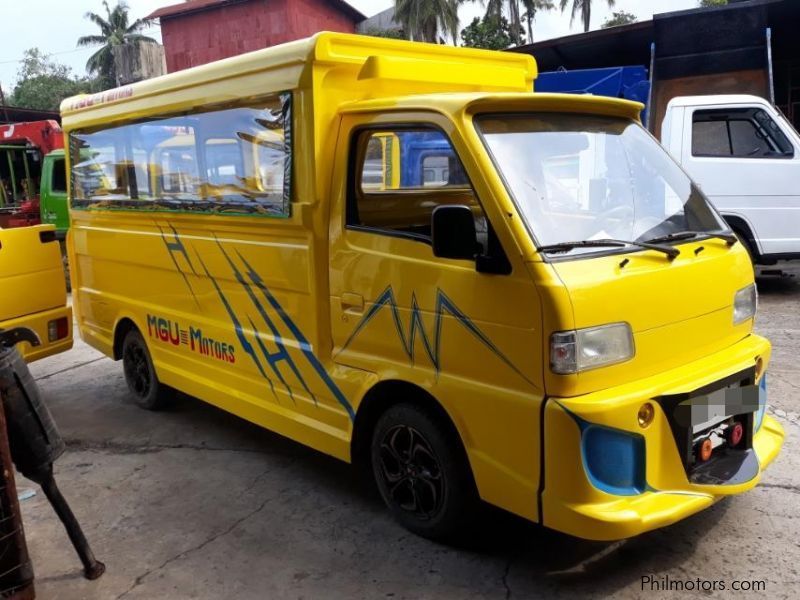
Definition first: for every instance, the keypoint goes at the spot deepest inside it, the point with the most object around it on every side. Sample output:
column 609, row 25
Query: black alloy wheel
column 411, row 472
column 422, row 472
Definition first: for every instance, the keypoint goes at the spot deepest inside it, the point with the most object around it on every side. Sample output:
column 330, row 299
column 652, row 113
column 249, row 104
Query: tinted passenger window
column 738, row 133
column 401, row 176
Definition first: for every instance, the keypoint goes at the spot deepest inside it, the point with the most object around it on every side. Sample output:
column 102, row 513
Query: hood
column 679, row 310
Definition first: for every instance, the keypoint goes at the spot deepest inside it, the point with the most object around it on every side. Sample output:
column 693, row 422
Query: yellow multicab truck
column 543, row 312
column 33, row 290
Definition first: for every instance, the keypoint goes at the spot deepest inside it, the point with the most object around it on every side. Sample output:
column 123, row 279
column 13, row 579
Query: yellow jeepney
column 536, row 307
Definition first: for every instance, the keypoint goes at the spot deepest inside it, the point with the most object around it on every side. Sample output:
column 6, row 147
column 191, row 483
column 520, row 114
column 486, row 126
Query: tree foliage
column 490, row 32
column 515, row 11
column 393, row 34
column 115, row 30
column 532, row 8
column 43, row 83
column 428, row 20
column 582, row 8
column 619, row 18
column 710, row 3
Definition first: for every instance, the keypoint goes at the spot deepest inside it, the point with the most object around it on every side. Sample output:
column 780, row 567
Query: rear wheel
column 422, row 473
column 140, row 375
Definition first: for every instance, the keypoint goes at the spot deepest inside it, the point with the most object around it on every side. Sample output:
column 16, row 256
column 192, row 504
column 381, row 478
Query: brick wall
column 201, row 37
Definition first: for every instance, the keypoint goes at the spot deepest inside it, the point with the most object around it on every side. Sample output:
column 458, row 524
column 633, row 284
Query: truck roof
column 348, row 67
column 44, row 135
column 715, row 99
column 474, row 102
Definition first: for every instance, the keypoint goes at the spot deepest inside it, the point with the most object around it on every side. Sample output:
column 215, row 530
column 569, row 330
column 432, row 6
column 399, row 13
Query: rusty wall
column 752, row 81
column 204, row 36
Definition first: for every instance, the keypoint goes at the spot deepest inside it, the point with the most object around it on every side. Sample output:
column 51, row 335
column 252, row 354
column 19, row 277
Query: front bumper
column 575, row 501
column 38, row 322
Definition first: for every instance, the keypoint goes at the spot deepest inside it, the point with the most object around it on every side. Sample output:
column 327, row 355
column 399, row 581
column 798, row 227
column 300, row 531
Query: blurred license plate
column 710, row 409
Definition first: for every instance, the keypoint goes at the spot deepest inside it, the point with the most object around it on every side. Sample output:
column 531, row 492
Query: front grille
column 709, row 415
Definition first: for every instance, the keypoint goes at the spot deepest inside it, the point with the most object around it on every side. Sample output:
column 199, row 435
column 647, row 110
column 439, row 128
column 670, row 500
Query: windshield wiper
column 730, row 238
column 608, row 243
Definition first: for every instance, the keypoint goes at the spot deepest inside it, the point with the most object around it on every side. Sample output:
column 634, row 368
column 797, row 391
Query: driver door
column 471, row 340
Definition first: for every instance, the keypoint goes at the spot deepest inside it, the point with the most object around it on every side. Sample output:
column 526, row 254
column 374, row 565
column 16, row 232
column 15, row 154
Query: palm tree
column 584, row 7
column 496, row 8
column 531, row 8
column 423, row 20
column 115, row 30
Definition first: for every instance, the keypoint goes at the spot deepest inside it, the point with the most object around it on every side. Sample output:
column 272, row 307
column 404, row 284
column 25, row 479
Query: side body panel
column 228, row 308
column 234, row 308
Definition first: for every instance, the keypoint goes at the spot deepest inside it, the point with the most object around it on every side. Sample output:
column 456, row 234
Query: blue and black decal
column 263, row 301
column 444, row 305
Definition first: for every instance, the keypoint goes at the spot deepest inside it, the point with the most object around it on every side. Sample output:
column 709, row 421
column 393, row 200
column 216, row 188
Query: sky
column 54, row 25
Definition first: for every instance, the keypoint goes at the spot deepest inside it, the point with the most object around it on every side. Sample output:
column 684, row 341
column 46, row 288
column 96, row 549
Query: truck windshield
column 585, row 177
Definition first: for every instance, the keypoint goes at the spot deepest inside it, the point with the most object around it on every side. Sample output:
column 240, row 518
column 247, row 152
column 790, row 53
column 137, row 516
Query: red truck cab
column 22, row 150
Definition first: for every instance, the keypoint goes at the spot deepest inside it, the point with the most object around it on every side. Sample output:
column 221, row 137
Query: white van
column 745, row 156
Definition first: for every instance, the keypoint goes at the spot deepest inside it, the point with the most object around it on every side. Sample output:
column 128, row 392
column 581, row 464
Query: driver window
column 738, row 133
column 400, row 176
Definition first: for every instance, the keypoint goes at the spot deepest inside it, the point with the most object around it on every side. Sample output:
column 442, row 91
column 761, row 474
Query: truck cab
column 745, row 156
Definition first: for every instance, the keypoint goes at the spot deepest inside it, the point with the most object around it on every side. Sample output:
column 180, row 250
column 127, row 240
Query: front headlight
column 590, row 348
column 745, row 303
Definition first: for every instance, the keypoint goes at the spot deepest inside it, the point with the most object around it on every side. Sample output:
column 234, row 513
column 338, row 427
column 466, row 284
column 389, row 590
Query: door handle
column 352, row 302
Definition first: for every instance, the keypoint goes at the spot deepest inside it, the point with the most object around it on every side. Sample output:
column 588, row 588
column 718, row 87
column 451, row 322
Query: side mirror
column 453, row 232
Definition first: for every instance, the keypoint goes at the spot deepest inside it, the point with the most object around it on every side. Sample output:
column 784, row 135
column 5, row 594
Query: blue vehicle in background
column 426, row 159
column 630, row 83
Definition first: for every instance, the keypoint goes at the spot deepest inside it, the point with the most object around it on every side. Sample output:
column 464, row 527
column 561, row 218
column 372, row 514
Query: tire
column 140, row 375
column 429, row 489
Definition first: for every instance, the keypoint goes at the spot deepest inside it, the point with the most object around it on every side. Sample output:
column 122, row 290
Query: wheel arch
column 121, row 329
column 742, row 227
column 382, row 396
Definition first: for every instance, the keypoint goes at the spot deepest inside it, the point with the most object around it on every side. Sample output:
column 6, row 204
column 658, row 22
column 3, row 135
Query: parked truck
column 33, row 291
column 740, row 149
column 746, row 157
column 23, row 148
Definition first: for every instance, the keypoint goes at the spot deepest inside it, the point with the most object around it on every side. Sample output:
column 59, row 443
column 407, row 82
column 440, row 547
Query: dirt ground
column 194, row 503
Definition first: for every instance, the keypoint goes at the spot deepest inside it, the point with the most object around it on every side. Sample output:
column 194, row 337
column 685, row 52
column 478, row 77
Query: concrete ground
column 194, row 503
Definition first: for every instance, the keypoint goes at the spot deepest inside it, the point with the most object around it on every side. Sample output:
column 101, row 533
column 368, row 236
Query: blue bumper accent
column 762, row 403
column 614, row 460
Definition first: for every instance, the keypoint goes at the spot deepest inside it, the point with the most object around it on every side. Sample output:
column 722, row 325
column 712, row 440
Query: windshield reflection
column 586, row 177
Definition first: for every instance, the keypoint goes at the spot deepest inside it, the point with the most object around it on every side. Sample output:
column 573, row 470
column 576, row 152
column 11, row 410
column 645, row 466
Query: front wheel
column 140, row 374
column 422, row 473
